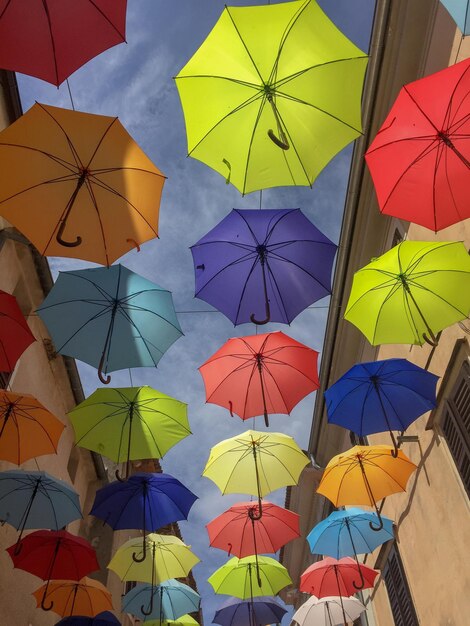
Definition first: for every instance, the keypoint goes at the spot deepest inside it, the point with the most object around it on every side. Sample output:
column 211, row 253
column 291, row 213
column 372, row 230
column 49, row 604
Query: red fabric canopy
column 333, row 577
column 15, row 335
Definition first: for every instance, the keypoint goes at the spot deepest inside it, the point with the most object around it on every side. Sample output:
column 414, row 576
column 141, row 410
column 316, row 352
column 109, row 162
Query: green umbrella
column 284, row 67
column 250, row 577
column 130, row 423
column 411, row 292
column 184, row 620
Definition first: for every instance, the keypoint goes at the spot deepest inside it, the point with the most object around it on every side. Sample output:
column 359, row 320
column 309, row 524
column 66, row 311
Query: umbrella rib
column 238, row 261
column 98, row 145
column 244, row 44
column 61, row 179
column 106, row 18
column 275, row 288
column 302, row 269
column 74, row 152
column 417, row 285
column 287, row 79
column 52, row 41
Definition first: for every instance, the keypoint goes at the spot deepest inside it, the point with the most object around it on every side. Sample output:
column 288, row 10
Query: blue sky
column 134, row 82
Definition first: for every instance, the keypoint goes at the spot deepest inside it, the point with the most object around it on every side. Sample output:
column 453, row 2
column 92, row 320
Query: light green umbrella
column 272, row 94
column 130, row 423
column 184, row 620
column 411, row 292
column 240, row 578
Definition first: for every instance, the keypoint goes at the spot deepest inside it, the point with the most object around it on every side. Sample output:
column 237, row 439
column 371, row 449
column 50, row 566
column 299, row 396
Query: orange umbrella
column 27, row 429
column 77, row 184
column 86, row 597
column 365, row 475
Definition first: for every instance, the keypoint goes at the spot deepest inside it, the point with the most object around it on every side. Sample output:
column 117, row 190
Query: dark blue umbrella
column 145, row 501
column 102, row 619
column 381, row 396
column 255, row 612
column 263, row 266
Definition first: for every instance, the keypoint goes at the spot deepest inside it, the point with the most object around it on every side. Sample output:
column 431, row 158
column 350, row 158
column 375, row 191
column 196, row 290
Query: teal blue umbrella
column 167, row 601
column 460, row 13
column 110, row 318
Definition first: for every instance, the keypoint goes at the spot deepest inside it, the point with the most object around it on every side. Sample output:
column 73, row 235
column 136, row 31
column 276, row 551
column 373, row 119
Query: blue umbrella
column 381, row 396
column 348, row 533
column 36, row 500
column 145, row 501
column 460, row 13
column 110, row 318
column 256, row 612
column 102, row 619
column 168, row 601
column 272, row 263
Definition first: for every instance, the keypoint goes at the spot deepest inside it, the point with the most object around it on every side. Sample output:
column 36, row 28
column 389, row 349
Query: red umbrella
column 420, row 158
column 15, row 335
column 240, row 530
column 50, row 39
column 53, row 555
column 333, row 577
column 260, row 374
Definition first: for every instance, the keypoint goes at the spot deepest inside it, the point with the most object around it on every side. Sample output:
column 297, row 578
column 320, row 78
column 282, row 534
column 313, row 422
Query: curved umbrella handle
column 281, row 143
column 117, row 473
column 104, row 379
column 431, row 340
column 43, row 599
column 150, row 609
column 267, row 308
column 66, row 244
column 256, row 516
column 229, row 549
column 381, row 522
column 144, row 555
column 362, row 581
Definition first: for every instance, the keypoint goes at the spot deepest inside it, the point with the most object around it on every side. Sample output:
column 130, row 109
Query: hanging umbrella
column 460, row 13
column 268, row 264
column 260, row 374
column 348, row 533
column 241, row 532
column 36, row 500
column 53, row 555
column 110, row 318
column 381, row 396
column 145, row 501
column 77, row 184
column 86, row 598
column 184, row 620
column 171, row 600
column 365, row 475
column 255, row 463
column 15, row 335
column 129, row 423
column 102, row 619
column 328, row 611
column 411, row 292
column 238, row 577
column 420, row 158
column 50, row 40
column 256, row 612
column 27, row 429
column 284, row 67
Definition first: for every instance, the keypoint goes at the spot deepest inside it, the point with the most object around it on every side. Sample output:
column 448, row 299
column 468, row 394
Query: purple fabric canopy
column 261, row 266
column 257, row 612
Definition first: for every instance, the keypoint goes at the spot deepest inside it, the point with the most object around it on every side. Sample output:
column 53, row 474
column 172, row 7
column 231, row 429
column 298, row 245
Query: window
column 455, row 424
column 401, row 602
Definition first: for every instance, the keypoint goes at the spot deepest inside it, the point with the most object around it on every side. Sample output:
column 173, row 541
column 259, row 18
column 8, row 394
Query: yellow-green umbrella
column 238, row 577
column 411, row 292
column 284, row 67
column 184, row 620
column 130, row 423
column 255, row 463
column 163, row 557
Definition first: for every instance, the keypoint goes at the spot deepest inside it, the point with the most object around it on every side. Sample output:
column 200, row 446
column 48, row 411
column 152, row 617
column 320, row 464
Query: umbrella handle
column 136, row 245
column 117, row 473
column 267, row 308
column 381, row 522
column 43, row 599
column 150, row 610
column 229, row 549
column 66, row 244
column 256, row 516
column 362, row 582
column 104, row 379
column 281, row 143
column 144, row 556
column 431, row 340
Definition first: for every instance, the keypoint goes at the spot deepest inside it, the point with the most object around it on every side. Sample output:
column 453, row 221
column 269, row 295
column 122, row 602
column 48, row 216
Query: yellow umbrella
column 77, row 184
column 365, row 475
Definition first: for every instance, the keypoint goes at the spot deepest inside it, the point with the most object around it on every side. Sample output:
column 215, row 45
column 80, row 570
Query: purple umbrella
column 255, row 612
column 269, row 264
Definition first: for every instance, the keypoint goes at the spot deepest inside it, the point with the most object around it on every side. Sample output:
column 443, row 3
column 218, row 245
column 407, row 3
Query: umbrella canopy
column 165, row 557
column 110, row 318
column 332, row 577
column 263, row 265
column 27, row 429
column 130, row 423
column 380, row 396
column 53, row 555
column 420, row 158
column 171, row 600
column 15, row 335
column 260, row 374
column 50, row 40
column 284, row 67
column 257, row 612
column 77, row 184
column 184, row 620
column 460, row 13
column 411, row 292
column 240, row 530
column 36, row 500
column 255, row 463
column 86, row 598
column 239, row 577
column 365, row 475
column 328, row 611
column 102, row 619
